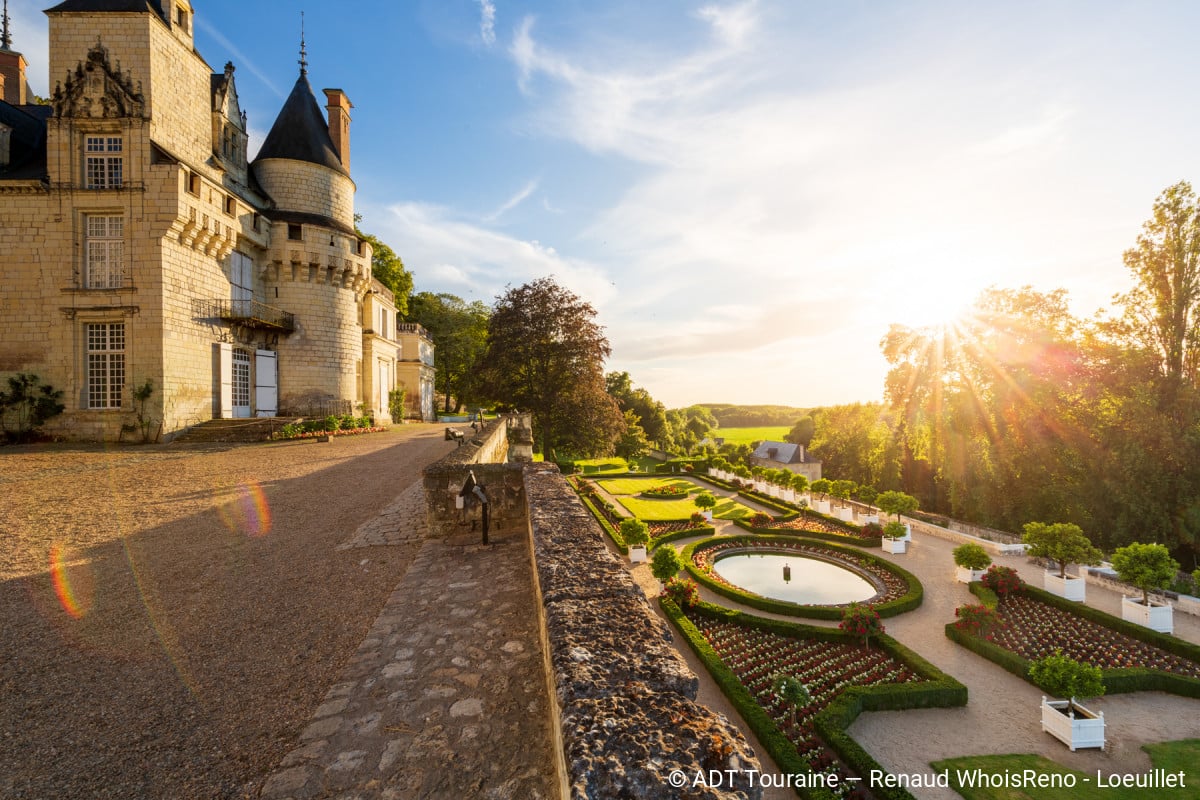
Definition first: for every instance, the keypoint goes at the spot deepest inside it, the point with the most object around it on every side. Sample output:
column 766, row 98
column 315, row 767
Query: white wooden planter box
column 964, row 575
column 1068, row 587
column 846, row 514
column 707, row 514
column 637, row 553
column 869, row 518
column 894, row 546
column 823, row 507
column 1079, row 728
column 1156, row 616
column 775, row 491
column 789, row 495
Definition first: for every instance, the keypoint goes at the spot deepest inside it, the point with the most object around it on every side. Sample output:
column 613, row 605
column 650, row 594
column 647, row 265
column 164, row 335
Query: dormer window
column 181, row 18
column 103, row 162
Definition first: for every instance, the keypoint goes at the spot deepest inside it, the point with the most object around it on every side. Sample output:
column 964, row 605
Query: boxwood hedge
column 911, row 599
column 937, row 690
column 1116, row 681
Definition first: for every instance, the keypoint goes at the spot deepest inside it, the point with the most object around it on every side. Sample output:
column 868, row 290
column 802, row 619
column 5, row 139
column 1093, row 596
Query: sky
column 748, row 193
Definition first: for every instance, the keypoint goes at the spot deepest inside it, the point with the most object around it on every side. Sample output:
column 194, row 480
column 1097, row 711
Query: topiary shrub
column 1063, row 676
column 861, row 620
column 665, row 564
column 1146, row 566
column 978, row 620
column 683, row 591
column 972, row 556
column 634, row 531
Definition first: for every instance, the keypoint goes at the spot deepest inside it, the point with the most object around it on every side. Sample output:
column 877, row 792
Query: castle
column 138, row 243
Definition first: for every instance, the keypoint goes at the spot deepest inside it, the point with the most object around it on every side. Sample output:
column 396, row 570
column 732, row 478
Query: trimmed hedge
column 699, row 530
column 986, row 596
column 938, row 690
column 857, row 541
column 910, row 600
column 1116, row 681
column 612, row 532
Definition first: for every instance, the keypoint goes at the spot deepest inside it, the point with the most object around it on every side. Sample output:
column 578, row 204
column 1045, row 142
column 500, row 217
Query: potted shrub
column 1146, row 566
column 706, row 502
column 1067, row 720
column 971, row 560
column 893, row 537
column 1062, row 543
column 636, row 534
column 897, row 503
column 822, row 487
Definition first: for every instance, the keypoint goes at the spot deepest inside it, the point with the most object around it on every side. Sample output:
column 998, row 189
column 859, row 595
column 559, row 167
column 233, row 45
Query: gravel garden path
column 173, row 615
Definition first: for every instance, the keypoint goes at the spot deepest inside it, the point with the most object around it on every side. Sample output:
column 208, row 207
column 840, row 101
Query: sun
column 943, row 303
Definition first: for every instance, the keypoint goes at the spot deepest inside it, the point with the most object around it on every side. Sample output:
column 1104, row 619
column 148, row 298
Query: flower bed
column 286, row 435
column 744, row 652
column 1035, row 630
column 825, row 668
column 901, row 590
column 669, row 492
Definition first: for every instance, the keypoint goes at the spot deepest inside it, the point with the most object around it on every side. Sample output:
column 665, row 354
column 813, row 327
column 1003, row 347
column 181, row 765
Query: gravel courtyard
column 172, row 615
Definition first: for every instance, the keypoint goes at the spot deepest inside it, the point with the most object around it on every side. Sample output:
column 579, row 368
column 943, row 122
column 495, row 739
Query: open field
column 773, row 433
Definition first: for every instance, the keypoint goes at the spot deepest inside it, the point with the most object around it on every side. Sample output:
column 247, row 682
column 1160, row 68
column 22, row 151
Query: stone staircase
column 255, row 429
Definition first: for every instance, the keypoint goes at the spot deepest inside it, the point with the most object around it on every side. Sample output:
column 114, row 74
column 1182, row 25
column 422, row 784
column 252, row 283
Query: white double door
column 243, row 374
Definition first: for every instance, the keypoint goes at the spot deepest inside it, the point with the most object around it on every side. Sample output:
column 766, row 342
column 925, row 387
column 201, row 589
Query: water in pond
column 795, row 579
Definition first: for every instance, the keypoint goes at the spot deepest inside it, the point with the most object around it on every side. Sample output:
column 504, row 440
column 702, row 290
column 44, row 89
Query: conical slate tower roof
column 300, row 132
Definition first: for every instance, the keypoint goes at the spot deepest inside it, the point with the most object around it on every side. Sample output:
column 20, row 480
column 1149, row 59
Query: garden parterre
column 1034, row 630
column 826, row 668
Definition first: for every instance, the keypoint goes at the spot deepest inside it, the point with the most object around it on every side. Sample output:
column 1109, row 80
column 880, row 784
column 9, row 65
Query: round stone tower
column 317, row 268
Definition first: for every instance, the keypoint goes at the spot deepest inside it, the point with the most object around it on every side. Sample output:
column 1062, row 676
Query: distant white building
column 786, row 455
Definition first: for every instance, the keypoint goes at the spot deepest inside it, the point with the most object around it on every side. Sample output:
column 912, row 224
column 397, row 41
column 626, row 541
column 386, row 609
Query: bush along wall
column 936, row 690
column 1116, row 681
column 912, row 598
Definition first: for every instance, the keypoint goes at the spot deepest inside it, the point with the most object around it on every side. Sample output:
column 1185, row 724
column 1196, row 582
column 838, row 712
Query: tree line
column 1022, row 411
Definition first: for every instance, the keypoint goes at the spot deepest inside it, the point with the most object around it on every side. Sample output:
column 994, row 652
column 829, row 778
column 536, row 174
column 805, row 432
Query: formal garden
column 749, row 540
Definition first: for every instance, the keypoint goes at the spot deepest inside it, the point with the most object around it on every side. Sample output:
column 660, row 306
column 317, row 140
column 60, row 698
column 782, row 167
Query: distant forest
column 731, row 416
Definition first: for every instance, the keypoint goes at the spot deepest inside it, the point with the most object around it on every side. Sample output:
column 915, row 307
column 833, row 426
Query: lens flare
column 248, row 512
column 72, row 583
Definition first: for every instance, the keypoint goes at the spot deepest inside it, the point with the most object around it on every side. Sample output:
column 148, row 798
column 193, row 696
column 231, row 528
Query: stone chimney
column 339, row 123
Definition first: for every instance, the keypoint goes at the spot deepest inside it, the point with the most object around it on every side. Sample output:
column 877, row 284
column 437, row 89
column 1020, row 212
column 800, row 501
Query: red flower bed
column 825, row 668
column 659, row 528
column 894, row 586
column 806, row 523
column 671, row 491
column 1035, row 630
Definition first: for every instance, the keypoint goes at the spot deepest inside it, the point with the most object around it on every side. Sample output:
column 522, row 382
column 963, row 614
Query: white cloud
column 487, row 21
column 519, row 197
column 441, row 248
column 822, row 208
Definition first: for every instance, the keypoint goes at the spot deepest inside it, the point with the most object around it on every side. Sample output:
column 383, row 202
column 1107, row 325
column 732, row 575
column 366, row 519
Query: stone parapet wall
column 626, row 711
column 483, row 454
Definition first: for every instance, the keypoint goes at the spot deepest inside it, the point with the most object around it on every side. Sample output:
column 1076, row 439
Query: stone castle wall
column 307, row 188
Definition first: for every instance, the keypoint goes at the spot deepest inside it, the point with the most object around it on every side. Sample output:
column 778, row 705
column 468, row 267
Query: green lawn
column 1172, row 757
column 665, row 510
column 639, row 485
column 774, row 433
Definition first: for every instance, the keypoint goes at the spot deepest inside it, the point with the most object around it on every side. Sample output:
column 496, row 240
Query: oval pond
column 812, row 581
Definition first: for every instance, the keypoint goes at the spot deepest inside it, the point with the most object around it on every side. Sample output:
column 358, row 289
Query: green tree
column 1063, row 676
column 633, row 442
column 634, row 531
column 652, row 415
column 459, row 330
column 1061, row 542
column 1146, row 566
column 792, row 691
column 843, row 490
column 893, row 502
column 822, row 487
column 665, row 563
column 388, row 269
column 545, row 354
column 705, row 501
column 802, row 432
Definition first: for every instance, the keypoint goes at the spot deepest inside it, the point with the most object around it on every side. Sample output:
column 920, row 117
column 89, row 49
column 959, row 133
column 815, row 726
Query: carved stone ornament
column 97, row 90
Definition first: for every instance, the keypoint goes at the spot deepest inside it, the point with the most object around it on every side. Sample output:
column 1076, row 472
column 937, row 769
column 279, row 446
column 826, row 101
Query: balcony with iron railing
column 248, row 313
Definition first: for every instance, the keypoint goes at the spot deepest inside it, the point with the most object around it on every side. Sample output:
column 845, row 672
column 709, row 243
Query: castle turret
column 318, row 267
column 14, row 89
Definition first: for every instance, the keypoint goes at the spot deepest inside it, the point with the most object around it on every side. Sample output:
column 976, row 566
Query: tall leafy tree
column 388, row 269
column 459, row 330
column 545, row 354
column 652, row 415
